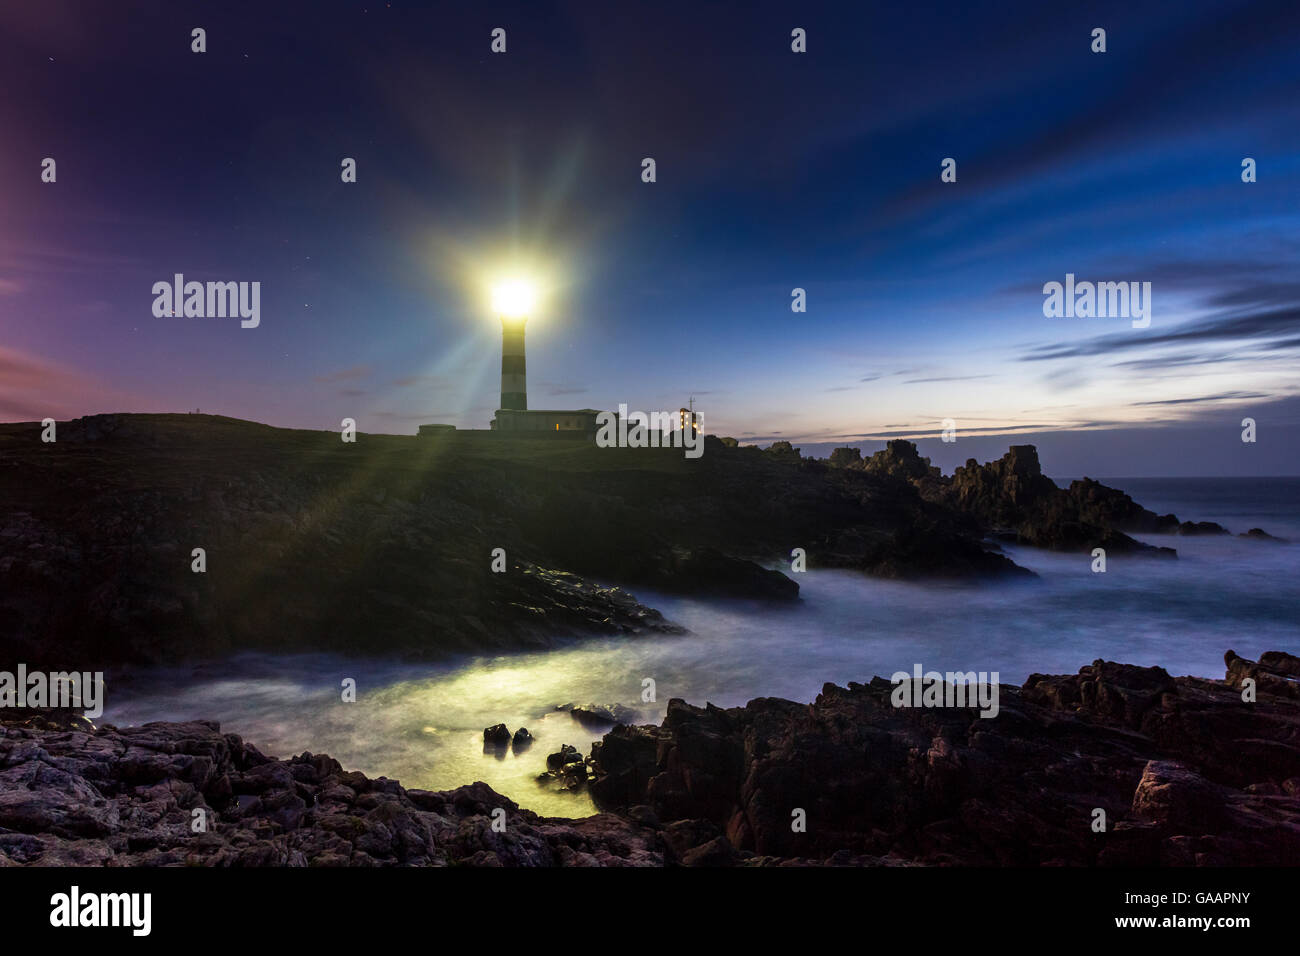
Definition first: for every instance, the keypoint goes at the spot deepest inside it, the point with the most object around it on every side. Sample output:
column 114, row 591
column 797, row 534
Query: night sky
column 775, row 170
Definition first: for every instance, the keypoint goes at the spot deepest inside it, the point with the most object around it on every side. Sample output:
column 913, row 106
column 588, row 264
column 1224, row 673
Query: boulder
column 567, row 754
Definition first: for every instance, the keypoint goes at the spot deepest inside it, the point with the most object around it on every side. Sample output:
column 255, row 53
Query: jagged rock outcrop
column 900, row 459
column 132, row 796
column 1012, row 497
column 1105, row 506
column 1110, row 507
column 1184, row 770
column 1002, row 492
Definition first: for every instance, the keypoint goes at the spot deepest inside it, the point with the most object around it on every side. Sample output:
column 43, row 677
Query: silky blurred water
column 423, row 723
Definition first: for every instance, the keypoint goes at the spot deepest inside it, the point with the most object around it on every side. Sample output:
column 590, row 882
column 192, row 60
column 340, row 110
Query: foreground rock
column 1185, row 771
column 129, row 798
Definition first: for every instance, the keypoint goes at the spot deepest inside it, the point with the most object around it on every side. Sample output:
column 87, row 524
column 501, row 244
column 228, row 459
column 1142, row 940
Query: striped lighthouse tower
column 514, row 377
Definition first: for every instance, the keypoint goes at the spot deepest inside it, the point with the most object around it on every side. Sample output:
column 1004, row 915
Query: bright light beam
column 514, row 298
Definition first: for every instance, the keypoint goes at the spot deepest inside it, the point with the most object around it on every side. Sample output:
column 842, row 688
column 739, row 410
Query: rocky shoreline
column 431, row 547
column 1187, row 771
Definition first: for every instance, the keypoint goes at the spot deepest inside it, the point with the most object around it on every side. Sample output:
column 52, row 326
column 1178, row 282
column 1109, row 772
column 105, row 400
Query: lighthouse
column 514, row 301
column 514, row 371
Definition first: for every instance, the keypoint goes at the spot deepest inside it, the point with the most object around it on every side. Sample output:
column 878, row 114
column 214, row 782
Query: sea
column 423, row 723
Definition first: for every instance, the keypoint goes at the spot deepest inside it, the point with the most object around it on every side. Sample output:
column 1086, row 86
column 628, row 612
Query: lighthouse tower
column 514, row 376
column 514, row 302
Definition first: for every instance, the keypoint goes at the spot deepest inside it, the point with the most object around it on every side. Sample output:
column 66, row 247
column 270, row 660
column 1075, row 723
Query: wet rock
column 496, row 737
column 573, row 776
column 567, row 754
column 566, row 768
column 73, row 798
column 521, row 741
column 596, row 716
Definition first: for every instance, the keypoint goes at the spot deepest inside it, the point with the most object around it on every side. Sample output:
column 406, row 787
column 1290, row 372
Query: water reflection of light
column 423, row 724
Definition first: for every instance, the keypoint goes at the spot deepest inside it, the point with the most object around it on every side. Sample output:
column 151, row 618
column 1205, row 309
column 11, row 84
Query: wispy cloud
column 1207, row 399
column 1220, row 328
column 945, row 378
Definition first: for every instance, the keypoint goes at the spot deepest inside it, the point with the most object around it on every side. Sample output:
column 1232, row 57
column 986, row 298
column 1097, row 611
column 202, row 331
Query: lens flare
column 514, row 298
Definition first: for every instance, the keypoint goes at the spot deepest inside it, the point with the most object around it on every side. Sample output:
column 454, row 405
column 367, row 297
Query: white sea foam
column 423, row 724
